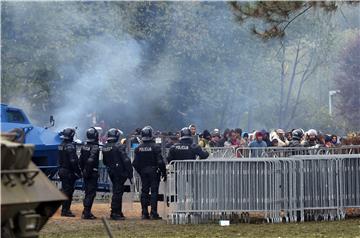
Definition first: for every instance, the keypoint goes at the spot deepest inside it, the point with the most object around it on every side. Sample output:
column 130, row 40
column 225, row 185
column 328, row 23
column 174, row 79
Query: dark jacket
column 148, row 156
column 89, row 159
column 186, row 150
column 68, row 159
column 295, row 143
column 116, row 160
column 222, row 142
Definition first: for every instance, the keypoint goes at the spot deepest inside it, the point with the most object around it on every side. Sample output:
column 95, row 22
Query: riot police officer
column 89, row 164
column 119, row 168
column 150, row 165
column 69, row 170
column 297, row 135
column 186, row 149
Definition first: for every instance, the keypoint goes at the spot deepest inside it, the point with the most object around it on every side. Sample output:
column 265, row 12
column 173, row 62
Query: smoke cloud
column 134, row 64
column 109, row 71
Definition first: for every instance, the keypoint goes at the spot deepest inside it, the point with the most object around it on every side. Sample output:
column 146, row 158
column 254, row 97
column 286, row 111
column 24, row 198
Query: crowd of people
column 276, row 138
column 261, row 138
column 148, row 159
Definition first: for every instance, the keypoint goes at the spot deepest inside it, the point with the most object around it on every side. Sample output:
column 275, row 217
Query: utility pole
column 332, row 93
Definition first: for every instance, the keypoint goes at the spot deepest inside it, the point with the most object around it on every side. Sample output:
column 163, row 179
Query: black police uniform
column 119, row 169
column 296, row 138
column 69, row 172
column 295, row 143
column 186, row 150
column 89, row 164
column 149, row 163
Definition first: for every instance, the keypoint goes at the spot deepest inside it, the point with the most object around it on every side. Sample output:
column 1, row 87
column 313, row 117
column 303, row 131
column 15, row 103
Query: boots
column 117, row 216
column 145, row 216
column 67, row 213
column 145, row 213
column 87, row 215
column 155, row 216
column 153, row 213
column 144, row 209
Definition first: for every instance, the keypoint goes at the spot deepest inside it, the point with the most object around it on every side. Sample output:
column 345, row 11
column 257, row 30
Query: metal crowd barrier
column 104, row 182
column 276, row 152
column 215, row 152
column 246, row 152
column 221, row 152
column 275, row 189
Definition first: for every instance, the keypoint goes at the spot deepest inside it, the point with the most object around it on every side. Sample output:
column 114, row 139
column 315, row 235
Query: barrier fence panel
column 276, row 189
column 350, row 182
column 346, row 170
column 221, row 152
column 321, row 189
column 246, row 152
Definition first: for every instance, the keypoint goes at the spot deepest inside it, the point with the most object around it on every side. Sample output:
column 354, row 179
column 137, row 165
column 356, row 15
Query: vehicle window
column 15, row 116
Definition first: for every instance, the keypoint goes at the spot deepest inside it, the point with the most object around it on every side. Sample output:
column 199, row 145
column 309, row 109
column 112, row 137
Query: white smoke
column 110, row 68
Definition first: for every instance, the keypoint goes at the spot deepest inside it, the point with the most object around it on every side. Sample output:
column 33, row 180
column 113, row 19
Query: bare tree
column 304, row 64
column 348, row 82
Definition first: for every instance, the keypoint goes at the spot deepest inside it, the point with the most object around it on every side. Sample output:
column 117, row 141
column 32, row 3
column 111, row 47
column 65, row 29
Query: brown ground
column 101, row 209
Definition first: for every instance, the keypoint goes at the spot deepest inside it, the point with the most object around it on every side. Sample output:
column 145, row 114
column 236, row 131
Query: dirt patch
column 102, row 209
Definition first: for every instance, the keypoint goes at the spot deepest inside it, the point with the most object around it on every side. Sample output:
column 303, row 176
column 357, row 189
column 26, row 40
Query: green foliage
column 196, row 63
column 278, row 15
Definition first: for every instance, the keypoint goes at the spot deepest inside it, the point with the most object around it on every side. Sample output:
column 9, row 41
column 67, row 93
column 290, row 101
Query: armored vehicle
column 28, row 198
column 46, row 142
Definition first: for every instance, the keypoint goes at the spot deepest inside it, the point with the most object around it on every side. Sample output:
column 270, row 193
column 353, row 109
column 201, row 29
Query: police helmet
column 92, row 135
column 216, row 132
column 113, row 134
column 147, row 133
column 67, row 134
column 185, row 133
column 297, row 134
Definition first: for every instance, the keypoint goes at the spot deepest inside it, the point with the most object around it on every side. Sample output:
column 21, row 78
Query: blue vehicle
column 46, row 141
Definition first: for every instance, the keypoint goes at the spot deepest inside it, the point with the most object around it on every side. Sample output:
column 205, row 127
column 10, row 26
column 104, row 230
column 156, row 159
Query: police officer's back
column 296, row 138
column 69, row 170
column 119, row 168
column 296, row 142
column 149, row 163
column 89, row 163
column 186, row 149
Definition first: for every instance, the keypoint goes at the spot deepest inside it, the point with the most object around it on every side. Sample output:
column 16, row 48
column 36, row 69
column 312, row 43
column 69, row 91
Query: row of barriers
column 104, row 183
column 277, row 189
column 247, row 152
column 275, row 152
column 290, row 184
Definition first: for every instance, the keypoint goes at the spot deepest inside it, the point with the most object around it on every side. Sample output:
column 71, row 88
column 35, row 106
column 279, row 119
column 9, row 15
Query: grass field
column 134, row 227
